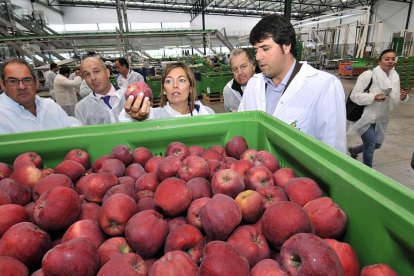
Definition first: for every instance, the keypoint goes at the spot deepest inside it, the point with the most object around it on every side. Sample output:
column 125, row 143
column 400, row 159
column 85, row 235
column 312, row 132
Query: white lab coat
column 314, row 103
column 132, row 77
column 93, row 111
column 231, row 97
column 167, row 111
column 375, row 112
column 64, row 90
column 49, row 115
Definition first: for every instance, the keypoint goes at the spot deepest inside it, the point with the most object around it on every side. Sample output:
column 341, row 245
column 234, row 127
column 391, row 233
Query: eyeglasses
column 15, row 82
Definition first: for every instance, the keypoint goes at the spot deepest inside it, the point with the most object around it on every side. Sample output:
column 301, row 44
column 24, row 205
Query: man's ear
column 286, row 49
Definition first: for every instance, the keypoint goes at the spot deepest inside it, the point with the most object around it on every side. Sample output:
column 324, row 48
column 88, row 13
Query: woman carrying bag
column 384, row 94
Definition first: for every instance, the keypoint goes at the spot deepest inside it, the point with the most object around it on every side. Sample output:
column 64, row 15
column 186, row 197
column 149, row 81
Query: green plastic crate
column 380, row 210
column 214, row 82
column 155, row 84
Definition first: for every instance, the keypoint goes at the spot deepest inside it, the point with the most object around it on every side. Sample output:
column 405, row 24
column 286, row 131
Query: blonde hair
column 192, row 97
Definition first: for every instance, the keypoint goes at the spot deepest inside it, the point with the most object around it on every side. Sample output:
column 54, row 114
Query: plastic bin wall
column 380, row 210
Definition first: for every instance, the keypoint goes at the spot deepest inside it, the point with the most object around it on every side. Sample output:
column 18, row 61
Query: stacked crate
column 405, row 68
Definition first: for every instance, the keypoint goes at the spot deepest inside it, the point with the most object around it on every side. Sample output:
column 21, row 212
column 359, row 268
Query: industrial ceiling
column 300, row 9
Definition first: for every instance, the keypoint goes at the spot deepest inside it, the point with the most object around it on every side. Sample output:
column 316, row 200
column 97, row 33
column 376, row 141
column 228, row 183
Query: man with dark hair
column 50, row 77
column 243, row 67
column 310, row 100
column 20, row 109
column 105, row 103
column 126, row 75
column 65, row 90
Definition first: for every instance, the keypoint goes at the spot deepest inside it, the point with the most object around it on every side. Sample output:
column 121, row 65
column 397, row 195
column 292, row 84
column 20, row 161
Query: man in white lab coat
column 310, row 100
column 126, row 75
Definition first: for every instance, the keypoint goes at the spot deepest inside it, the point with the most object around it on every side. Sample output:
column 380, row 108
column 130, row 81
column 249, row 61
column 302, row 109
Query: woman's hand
column 139, row 108
column 403, row 94
column 380, row 97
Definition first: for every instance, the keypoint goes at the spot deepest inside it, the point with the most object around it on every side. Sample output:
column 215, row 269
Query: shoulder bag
column 353, row 110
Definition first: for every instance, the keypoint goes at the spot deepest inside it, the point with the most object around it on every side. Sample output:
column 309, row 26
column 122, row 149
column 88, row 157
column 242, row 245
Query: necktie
column 106, row 101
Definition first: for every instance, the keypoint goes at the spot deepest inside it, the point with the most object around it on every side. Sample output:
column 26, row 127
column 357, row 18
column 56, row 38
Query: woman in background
column 384, row 94
column 178, row 97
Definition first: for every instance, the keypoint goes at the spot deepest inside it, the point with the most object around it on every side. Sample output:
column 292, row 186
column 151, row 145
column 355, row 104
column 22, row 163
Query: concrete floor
column 394, row 157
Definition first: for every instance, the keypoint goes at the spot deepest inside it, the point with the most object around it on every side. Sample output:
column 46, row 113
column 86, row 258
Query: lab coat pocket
column 298, row 118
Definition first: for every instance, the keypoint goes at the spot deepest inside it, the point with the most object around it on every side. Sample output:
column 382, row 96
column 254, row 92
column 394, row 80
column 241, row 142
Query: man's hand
column 139, row 108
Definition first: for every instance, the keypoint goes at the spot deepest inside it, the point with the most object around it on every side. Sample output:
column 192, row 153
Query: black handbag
column 353, row 110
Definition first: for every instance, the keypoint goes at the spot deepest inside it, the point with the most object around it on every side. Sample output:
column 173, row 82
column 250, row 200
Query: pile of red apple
column 225, row 210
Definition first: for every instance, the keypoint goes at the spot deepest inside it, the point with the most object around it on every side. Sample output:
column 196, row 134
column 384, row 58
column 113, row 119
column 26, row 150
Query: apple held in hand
column 137, row 87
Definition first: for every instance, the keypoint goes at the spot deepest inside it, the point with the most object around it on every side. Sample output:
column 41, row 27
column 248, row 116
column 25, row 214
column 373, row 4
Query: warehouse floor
column 394, row 157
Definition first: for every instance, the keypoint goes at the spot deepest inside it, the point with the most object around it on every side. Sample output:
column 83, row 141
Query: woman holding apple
column 178, row 97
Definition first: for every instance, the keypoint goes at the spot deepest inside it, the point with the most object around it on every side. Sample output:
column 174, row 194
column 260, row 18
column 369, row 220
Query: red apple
column 195, row 150
column 134, row 170
column 241, row 166
column 186, row 238
column 79, row 155
column 307, row 254
column 30, row 211
column 174, row 263
column 26, row 242
column 145, row 232
column 248, row 155
column 169, row 167
column 113, row 166
column 173, row 196
column 70, row 168
column 96, row 185
column 227, row 162
column 236, row 146
column 49, row 182
column 251, row 205
column 122, row 153
column 193, row 211
column 220, row 216
column 210, row 154
column 200, row 187
column 137, row 87
column 250, row 243
column 127, row 181
column 115, row 213
column 175, row 222
column 57, row 208
column 152, row 164
column 282, row 175
column 328, row 219
column 28, row 157
column 89, row 210
column 213, row 166
column 122, row 189
column 272, row 195
column 141, row 155
column 301, row 190
column 268, row 267
column 258, row 176
column 11, row 214
column 75, row 257
column 147, row 181
column 88, row 229
column 47, row 171
column 111, row 247
column 124, row 264
column 5, row 170
column 282, row 220
column 177, row 149
column 379, row 269
column 219, row 149
column 193, row 166
column 347, row 257
column 221, row 258
column 11, row 266
column 26, row 174
column 227, row 182
column 96, row 166
column 146, row 203
column 18, row 193
column 266, row 159
column 4, row 198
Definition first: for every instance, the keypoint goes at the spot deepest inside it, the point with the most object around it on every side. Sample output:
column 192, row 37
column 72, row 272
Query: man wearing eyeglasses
column 243, row 67
column 20, row 109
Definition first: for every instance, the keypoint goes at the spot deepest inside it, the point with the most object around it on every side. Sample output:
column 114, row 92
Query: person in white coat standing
column 383, row 95
column 243, row 67
column 126, row 75
column 310, row 100
column 65, row 90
